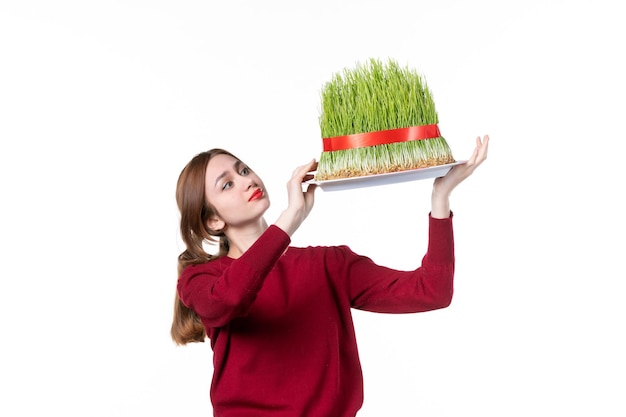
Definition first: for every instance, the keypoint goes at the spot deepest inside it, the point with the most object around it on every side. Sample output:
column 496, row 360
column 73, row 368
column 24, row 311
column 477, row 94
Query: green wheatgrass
column 371, row 97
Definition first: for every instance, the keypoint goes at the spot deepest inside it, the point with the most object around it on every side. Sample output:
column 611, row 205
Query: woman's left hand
column 443, row 186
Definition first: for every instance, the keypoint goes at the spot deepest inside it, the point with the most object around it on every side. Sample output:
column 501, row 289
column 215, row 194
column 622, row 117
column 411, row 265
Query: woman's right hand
column 300, row 202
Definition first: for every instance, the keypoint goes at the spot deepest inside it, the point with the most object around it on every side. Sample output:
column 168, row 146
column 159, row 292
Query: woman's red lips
column 258, row 193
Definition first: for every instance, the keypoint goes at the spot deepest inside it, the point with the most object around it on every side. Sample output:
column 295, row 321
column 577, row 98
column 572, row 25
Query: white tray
column 384, row 179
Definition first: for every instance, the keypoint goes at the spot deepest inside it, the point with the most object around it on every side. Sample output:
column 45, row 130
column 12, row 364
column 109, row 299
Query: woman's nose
column 252, row 183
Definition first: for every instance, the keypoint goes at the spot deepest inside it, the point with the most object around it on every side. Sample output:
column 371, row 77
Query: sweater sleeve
column 225, row 288
column 376, row 288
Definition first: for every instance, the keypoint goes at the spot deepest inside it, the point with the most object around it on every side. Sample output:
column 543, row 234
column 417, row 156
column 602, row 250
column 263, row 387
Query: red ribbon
column 381, row 137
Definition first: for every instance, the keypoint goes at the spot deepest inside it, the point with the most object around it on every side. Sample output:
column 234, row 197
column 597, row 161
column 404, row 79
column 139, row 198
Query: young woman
column 278, row 317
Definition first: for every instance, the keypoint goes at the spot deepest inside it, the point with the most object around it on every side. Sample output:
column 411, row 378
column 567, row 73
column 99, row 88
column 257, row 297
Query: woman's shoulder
column 210, row 267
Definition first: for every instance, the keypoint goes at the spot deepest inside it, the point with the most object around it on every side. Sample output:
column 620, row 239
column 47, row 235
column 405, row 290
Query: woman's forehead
column 221, row 161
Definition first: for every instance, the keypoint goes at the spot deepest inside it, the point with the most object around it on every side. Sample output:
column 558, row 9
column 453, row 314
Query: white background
column 103, row 102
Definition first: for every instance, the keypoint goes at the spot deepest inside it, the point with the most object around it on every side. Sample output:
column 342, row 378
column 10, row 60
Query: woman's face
column 235, row 192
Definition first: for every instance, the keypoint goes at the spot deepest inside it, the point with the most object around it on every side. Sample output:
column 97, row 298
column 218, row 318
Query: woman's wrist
column 440, row 205
column 289, row 220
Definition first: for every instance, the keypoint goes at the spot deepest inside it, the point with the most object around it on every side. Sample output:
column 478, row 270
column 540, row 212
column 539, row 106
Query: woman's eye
column 227, row 185
column 245, row 171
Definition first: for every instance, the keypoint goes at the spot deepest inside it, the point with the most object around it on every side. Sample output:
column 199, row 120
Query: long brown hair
column 195, row 211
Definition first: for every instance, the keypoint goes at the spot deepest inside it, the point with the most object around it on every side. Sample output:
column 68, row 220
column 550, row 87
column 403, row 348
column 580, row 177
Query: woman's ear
column 215, row 224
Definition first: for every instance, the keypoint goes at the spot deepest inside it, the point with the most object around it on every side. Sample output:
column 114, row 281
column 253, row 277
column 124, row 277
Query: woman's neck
column 241, row 238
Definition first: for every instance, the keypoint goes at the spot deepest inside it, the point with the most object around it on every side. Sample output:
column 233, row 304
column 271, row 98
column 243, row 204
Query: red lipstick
column 256, row 194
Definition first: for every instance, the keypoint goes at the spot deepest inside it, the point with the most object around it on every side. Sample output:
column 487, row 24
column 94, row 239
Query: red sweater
column 280, row 323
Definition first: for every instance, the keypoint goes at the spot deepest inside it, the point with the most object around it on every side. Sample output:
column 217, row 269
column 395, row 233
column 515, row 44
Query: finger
column 309, row 195
column 304, row 169
column 481, row 150
column 310, row 191
column 485, row 147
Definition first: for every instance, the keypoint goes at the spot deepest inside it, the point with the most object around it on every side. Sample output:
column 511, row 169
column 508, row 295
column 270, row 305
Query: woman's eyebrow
column 236, row 166
column 219, row 177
